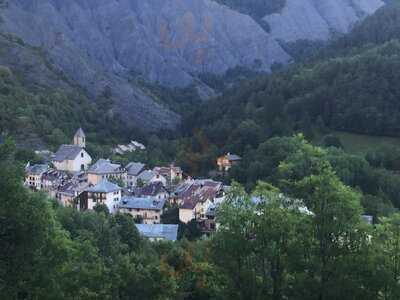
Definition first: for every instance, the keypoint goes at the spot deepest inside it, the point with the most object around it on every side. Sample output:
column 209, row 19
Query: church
column 73, row 158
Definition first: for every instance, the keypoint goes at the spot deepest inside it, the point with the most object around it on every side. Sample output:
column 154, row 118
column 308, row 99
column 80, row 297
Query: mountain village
column 146, row 194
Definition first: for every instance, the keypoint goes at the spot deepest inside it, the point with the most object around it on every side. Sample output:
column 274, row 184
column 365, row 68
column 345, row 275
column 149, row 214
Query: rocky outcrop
column 318, row 19
column 104, row 44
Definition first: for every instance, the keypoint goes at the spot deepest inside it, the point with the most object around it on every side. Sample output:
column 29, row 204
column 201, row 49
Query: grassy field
column 358, row 143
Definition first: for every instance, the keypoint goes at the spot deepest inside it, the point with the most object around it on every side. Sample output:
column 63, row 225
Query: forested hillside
column 356, row 91
column 353, row 89
column 43, row 116
column 40, row 107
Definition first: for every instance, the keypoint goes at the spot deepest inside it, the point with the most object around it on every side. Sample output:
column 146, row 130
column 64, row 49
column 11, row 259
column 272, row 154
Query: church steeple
column 80, row 138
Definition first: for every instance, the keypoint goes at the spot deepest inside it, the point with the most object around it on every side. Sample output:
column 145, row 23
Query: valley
column 199, row 149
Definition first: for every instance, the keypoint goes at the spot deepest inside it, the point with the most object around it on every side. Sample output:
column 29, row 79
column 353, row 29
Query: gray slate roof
column 134, row 168
column 147, row 175
column 37, row 169
column 67, row 152
column 142, row 203
column 158, row 231
column 104, row 186
column 151, row 190
column 104, row 166
column 233, row 157
column 72, row 188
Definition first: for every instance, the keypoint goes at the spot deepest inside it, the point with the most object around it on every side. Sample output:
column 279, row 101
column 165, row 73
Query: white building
column 73, row 158
column 133, row 171
column 148, row 177
column 131, row 147
column 172, row 173
column 104, row 192
column 33, row 176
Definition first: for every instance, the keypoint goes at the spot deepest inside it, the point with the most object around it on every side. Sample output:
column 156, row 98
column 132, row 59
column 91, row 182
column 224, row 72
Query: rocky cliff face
column 103, row 44
column 318, row 19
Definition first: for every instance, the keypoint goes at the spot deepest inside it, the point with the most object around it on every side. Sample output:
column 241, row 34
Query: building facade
column 71, row 158
column 149, row 210
column 104, row 192
column 104, row 169
column 33, row 176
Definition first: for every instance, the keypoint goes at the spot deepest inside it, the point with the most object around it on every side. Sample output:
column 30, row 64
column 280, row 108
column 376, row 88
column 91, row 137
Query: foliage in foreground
column 267, row 246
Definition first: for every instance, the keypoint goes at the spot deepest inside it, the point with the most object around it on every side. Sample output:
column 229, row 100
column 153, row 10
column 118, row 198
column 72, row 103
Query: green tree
column 337, row 210
column 387, row 240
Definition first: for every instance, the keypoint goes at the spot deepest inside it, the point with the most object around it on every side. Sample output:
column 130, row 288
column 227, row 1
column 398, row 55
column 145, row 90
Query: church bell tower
column 80, row 138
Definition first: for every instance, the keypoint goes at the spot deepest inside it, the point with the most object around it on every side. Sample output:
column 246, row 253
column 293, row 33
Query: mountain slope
column 318, row 20
column 105, row 46
column 39, row 106
column 357, row 91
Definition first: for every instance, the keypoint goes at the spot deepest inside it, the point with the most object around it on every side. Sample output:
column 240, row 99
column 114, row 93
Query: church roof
column 67, row 152
column 79, row 133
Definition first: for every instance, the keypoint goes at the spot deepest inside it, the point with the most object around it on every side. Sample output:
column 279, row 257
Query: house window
column 82, row 167
column 82, row 154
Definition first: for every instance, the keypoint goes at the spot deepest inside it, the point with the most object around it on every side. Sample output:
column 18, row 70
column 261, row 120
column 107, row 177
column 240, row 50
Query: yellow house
column 196, row 199
column 194, row 209
column 226, row 162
